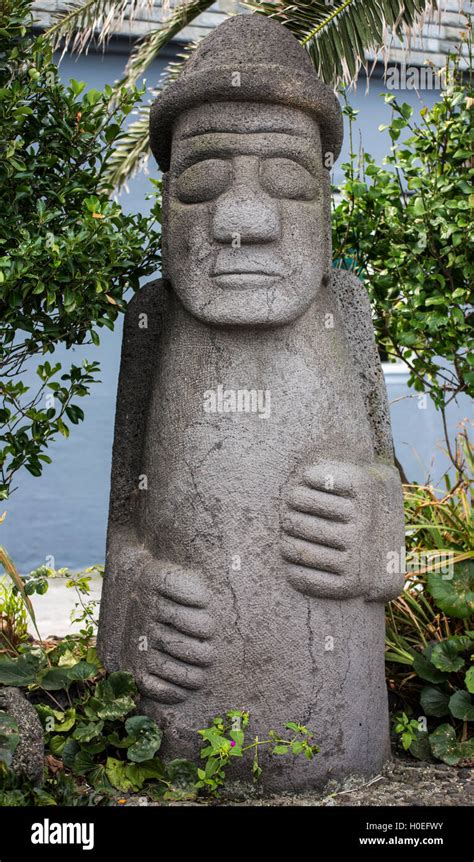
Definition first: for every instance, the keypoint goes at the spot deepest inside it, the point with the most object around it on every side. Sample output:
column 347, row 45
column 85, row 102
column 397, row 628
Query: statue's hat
column 272, row 67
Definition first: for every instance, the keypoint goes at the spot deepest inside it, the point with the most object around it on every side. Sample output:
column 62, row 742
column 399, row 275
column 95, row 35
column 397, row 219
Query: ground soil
column 402, row 783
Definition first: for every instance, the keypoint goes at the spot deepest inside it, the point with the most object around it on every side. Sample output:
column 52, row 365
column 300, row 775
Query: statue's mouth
column 246, row 279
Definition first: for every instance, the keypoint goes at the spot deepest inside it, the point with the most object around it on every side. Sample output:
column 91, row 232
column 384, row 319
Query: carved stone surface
column 254, row 499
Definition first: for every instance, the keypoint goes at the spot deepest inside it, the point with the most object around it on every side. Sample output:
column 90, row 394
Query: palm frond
column 79, row 22
column 148, row 48
column 132, row 151
column 133, row 145
column 338, row 35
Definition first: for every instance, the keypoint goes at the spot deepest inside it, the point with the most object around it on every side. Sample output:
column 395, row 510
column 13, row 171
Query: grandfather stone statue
column 254, row 504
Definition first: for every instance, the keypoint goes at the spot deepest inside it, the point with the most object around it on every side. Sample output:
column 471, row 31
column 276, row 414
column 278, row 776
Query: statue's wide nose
column 246, row 211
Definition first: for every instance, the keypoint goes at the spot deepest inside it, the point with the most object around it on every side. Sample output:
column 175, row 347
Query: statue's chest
column 227, row 431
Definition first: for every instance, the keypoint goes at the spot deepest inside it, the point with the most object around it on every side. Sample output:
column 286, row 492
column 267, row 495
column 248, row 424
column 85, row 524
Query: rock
column 28, row 759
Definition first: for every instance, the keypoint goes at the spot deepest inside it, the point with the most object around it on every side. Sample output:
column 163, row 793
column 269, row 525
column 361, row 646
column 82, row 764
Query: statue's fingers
column 315, row 556
column 181, row 646
column 332, row 478
column 322, row 584
column 192, row 621
column 173, row 670
column 159, row 689
column 313, row 502
column 318, row 530
column 182, row 586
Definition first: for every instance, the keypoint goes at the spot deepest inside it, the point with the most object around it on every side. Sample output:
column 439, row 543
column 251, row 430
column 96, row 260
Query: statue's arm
column 126, row 554
column 343, row 528
column 354, row 304
column 386, row 581
column 153, row 618
column 141, row 336
column 387, row 577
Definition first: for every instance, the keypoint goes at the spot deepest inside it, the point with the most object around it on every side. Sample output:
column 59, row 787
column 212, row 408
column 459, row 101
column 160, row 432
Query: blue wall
column 64, row 513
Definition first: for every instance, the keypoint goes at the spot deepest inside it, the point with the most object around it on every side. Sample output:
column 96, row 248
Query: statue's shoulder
column 354, row 305
column 147, row 300
column 356, row 313
column 352, row 297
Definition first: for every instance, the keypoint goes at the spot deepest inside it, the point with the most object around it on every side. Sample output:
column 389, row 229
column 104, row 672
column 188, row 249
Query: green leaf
column 469, row 679
column 147, row 738
column 57, row 678
column 445, row 656
column 454, row 596
column 445, row 745
column 83, row 763
column 116, row 709
column 69, row 752
column 86, row 731
column 21, row 671
column 122, row 683
column 420, row 746
column 57, row 744
column 65, row 721
column 113, row 697
column 434, row 701
column 280, row 749
column 426, row 670
column 130, row 776
column 461, row 706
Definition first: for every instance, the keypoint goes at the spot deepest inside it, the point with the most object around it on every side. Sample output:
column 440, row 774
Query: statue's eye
column 283, row 178
column 204, row 181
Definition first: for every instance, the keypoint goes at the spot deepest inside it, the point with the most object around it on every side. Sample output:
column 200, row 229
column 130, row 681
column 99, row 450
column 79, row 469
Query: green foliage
column 59, row 789
column 13, row 617
column 92, row 730
column 68, row 253
column 408, row 728
column 430, row 630
column 404, row 228
column 225, row 739
column 338, row 34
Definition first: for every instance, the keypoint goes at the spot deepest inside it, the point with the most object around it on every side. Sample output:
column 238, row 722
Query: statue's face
column 247, row 213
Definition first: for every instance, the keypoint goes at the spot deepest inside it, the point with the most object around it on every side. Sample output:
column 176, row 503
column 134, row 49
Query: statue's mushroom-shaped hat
column 272, row 67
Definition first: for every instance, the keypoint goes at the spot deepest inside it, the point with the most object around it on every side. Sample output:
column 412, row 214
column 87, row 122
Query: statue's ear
column 164, row 226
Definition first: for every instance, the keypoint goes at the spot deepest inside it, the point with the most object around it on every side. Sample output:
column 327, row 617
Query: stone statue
column 254, row 504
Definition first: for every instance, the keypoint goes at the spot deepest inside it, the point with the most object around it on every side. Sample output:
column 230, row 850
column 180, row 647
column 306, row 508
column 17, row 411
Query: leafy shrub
column 68, row 253
column 430, row 629
column 403, row 226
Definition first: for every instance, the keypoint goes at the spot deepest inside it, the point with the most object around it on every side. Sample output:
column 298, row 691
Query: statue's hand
column 342, row 530
column 179, row 634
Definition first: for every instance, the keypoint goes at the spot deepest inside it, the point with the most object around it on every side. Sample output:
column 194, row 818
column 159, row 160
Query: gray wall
column 64, row 513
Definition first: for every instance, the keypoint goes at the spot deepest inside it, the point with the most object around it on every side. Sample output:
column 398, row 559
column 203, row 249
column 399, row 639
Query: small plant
column 225, row 739
column 13, row 617
column 408, row 728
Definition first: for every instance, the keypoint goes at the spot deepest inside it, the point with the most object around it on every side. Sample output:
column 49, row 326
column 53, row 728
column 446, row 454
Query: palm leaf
column 132, row 149
column 148, row 48
column 79, row 22
column 131, row 152
column 337, row 36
